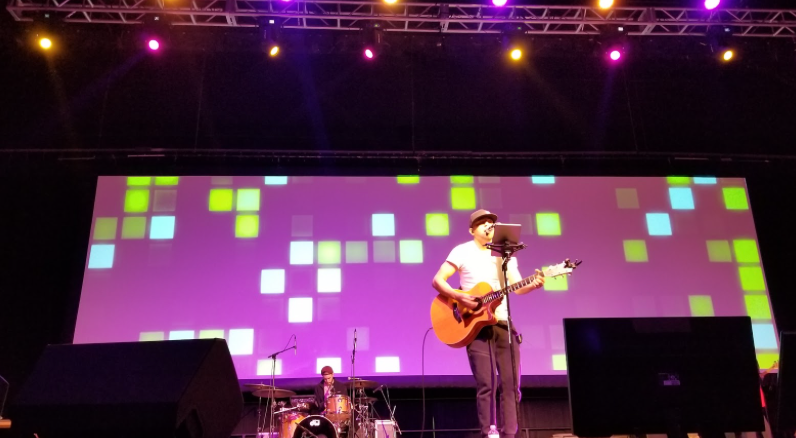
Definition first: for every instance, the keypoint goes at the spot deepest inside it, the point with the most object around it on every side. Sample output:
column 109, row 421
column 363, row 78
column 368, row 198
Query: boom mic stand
column 506, row 249
column 271, row 401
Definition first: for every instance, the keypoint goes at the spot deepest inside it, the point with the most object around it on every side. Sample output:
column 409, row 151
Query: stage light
column 373, row 40
column 712, row 4
column 45, row 43
column 615, row 55
column 274, row 51
column 369, row 54
column 390, row 2
column 499, row 3
column 153, row 44
column 271, row 30
column 721, row 43
column 728, row 55
column 605, row 4
column 516, row 54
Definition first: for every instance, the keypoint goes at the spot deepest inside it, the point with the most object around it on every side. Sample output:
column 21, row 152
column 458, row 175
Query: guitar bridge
column 456, row 314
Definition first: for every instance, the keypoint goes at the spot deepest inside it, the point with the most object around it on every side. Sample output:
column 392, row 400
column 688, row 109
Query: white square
column 388, row 364
column 299, row 310
column 241, row 341
column 264, row 367
column 301, row 253
column 272, row 281
column 329, row 280
column 178, row 335
column 335, row 362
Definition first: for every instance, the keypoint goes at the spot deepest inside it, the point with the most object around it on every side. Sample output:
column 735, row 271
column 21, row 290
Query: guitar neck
column 498, row 294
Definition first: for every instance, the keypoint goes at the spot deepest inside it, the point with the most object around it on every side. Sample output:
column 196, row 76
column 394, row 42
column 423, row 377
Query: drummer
column 327, row 387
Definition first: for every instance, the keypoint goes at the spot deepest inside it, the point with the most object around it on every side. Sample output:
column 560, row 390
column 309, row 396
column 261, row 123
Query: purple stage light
column 153, row 44
column 369, row 54
column 712, row 4
column 499, row 3
column 615, row 55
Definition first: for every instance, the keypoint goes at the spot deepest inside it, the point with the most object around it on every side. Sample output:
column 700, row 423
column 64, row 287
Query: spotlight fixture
column 614, row 44
column 155, row 33
column 721, row 43
column 373, row 44
column 43, row 30
column 271, row 32
column 605, row 4
column 712, row 4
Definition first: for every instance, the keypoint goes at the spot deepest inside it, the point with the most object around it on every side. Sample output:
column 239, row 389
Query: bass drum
column 320, row 426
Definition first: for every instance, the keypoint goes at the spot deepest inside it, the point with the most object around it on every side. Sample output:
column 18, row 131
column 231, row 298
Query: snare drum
column 338, row 407
column 317, row 425
column 290, row 420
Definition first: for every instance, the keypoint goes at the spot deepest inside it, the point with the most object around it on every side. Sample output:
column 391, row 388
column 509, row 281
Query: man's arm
column 440, row 283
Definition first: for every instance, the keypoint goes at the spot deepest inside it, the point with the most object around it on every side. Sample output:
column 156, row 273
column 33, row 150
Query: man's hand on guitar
column 538, row 281
column 468, row 301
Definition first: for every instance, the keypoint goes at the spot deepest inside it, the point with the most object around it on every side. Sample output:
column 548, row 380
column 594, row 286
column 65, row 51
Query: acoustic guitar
column 457, row 325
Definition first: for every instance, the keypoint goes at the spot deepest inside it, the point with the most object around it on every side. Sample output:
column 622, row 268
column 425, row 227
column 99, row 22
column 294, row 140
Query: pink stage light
column 369, row 54
column 615, row 55
column 499, row 3
column 712, row 4
column 153, row 45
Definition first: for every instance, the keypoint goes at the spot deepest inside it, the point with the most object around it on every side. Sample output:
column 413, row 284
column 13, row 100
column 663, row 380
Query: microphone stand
column 391, row 410
column 506, row 249
column 353, row 390
column 271, row 401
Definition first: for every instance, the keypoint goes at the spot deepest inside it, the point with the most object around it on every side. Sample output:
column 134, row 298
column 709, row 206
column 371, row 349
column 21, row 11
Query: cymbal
column 273, row 393
column 361, row 383
column 256, row 386
column 366, row 399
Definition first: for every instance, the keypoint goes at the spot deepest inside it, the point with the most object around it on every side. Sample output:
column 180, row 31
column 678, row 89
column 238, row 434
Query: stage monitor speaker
column 785, row 417
column 182, row 389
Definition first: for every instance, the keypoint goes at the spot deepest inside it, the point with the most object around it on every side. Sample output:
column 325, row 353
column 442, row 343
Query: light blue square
column 161, row 227
column 765, row 336
column 658, row 224
column 301, row 253
column 682, row 198
column 704, row 180
column 272, row 281
column 101, row 256
column 383, row 224
column 275, row 180
column 543, row 179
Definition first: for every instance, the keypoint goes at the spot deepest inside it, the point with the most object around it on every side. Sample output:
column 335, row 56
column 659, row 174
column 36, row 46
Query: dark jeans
column 487, row 353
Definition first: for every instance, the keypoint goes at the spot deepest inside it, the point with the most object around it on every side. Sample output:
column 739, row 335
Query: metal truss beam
column 418, row 17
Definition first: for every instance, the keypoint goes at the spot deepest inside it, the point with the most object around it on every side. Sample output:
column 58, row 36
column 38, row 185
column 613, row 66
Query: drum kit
column 341, row 417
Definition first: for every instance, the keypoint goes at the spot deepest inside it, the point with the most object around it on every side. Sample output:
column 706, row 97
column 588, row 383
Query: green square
column 701, row 305
column 133, row 227
column 167, row 180
column 746, row 251
column 735, row 198
column 356, row 252
column 437, row 224
column 752, row 278
column 559, row 283
column 461, row 179
column 105, row 228
column 139, row 180
column 411, row 251
column 329, row 252
column 151, row 336
column 719, row 251
column 408, row 179
column 211, row 334
column 627, row 198
column 548, row 224
column 635, row 251
column 678, row 180
column 220, row 200
column 463, row 198
column 247, row 226
column 766, row 360
column 757, row 306
column 560, row 362
column 136, row 201
column 248, row 200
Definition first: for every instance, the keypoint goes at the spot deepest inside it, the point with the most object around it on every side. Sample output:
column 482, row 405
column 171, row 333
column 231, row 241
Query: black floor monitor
column 785, row 417
column 662, row 375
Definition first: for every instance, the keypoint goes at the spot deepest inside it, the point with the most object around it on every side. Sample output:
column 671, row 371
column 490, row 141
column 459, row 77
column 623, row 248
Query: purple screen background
column 206, row 278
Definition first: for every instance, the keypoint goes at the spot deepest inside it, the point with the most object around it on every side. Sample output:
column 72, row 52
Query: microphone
column 295, row 345
column 492, row 227
column 355, row 338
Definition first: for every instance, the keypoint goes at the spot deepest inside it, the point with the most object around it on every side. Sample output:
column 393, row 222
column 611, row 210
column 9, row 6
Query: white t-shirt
column 477, row 264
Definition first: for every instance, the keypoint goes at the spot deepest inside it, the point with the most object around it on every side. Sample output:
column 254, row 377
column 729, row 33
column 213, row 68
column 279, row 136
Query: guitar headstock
column 564, row 268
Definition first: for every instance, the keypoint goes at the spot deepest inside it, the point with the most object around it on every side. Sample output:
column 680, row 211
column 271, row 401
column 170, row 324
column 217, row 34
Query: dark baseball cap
column 327, row 370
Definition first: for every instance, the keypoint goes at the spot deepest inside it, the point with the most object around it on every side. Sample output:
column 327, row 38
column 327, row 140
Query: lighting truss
column 419, row 17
